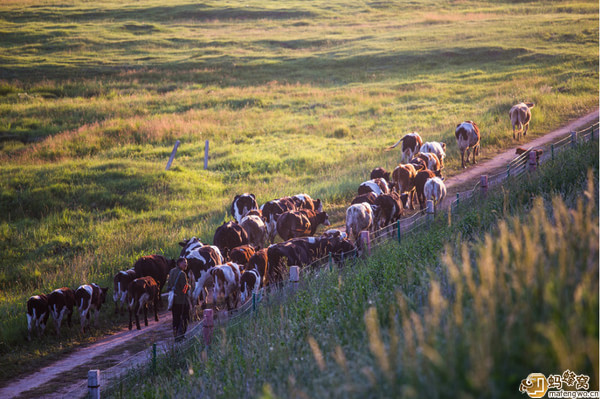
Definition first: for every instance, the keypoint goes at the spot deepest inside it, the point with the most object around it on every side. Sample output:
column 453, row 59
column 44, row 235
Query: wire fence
column 129, row 368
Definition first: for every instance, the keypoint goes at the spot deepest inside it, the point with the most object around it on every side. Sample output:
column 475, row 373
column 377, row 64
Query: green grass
column 467, row 310
column 293, row 96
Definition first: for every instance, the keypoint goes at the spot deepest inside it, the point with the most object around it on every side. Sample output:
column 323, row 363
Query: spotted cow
column 89, row 298
column 61, row 302
column 411, row 144
column 242, row 204
column 467, row 138
column 37, row 314
column 121, row 282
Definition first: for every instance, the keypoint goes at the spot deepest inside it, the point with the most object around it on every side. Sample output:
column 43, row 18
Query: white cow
column 435, row 190
column 359, row 217
column 437, row 148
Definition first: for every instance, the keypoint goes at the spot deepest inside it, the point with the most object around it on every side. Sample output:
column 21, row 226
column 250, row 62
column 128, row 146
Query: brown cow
column 380, row 173
column 520, row 115
column 420, row 181
column 388, row 209
column 300, row 223
column 404, row 181
column 467, row 137
column 141, row 292
column 260, row 261
column 242, row 254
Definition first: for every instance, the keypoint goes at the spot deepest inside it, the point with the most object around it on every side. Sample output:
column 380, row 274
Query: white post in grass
column 206, row 155
column 532, row 161
column 172, row 157
column 294, row 277
column 94, row 384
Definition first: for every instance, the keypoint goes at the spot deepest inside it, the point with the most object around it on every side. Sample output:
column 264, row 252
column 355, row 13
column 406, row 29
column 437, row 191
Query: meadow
column 465, row 309
column 293, row 96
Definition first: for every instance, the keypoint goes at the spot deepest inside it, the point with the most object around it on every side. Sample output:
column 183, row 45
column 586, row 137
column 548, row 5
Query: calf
column 37, row 314
column 404, row 181
column 260, row 262
column 380, row 173
column 155, row 266
column 411, row 144
column 388, row 209
column 121, row 282
column 368, row 198
column 301, row 223
column 435, row 190
column 467, row 137
column 520, row 116
column 538, row 153
column 140, row 293
column 89, row 297
column 420, row 181
column 376, row 186
column 228, row 236
column 242, row 254
column 249, row 282
column 227, row 283
column 359, row 217
column 437, row 148
column 61, row 302
column 271, row 211
column 242, row 204
column 256, row 229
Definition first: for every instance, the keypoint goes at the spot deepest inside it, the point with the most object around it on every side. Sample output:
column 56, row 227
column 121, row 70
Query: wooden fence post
column 294, row 277
column 366, row 240
column 94, row 384
column 573, row 138
column 172, row 157
column 206, row 155
column 330, row 262
column 430, row 211
column 484, row 184
column 208, row 325
column 399, row 232
column 532, row 161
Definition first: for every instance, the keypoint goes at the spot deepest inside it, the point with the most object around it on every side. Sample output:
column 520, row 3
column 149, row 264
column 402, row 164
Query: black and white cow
column 377, row 186
column 89, row 298
column 249, row 282
column 242, row 204
column 200, row 260
column 37, row 314
column 60, row 303
column 227, row 283
column 121, row 282
column 188, row 246
column 141, row 292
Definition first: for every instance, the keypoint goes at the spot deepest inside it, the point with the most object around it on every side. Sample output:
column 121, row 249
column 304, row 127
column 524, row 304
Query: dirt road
column 66, row 378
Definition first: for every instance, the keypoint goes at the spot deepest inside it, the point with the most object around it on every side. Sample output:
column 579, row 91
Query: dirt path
column 66, row 378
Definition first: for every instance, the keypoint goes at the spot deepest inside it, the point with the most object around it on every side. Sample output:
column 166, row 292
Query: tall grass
column 467, row 310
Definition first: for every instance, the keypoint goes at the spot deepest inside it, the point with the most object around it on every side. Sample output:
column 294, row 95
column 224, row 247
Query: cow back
column 228, row 236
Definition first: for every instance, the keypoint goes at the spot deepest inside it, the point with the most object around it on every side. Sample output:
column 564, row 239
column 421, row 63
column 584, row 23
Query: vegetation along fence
column 122, row 373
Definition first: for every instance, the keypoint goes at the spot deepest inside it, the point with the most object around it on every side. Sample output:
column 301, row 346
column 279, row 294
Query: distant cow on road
column 520, row 116
column 467, row 137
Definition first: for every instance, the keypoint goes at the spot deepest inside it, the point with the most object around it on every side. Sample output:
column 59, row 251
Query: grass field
column 293, row 96
column 467, row 310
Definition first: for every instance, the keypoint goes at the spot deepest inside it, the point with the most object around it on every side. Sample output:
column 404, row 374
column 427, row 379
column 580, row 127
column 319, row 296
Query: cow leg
column 525, row 127
column 462, row 158
column 156, row 309
column 146, row 315
column 130, row 319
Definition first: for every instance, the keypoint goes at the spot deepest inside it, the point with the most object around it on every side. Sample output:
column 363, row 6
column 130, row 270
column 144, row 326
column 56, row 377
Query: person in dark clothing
column 178, row 283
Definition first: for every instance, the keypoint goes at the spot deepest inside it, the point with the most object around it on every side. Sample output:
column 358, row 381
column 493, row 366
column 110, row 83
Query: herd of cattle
column 244, row 257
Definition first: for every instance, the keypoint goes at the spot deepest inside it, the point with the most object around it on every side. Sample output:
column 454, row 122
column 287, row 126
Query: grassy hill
column 293, row 96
